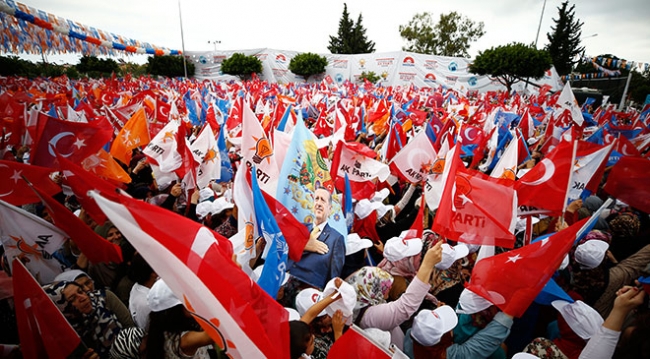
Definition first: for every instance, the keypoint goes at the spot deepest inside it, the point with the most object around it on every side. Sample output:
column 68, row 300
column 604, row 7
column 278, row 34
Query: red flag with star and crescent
column 512, row 280
column 72, row 140
column 15, row 190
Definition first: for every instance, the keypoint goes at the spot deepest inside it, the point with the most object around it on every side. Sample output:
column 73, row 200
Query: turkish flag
column 197, row 265
column 355, row 344
column 629, row 180
column 295, row 233
column 626, row 148
column 96, row 248
column 43, row 330
column 545, row 185
column 72, row 140
column 415, row 161
column 14, row 188
column 512, row 280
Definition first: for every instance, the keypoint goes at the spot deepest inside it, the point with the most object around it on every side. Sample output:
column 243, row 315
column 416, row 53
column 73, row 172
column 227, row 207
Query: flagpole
column 180, row 19
column 568, row 187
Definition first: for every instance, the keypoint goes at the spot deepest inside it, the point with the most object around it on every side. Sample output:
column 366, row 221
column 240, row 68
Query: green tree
column 241, row 65
column 451, row 36
column 307, row 64
column 15, row 66
column 511, row 63
column 96, row 67
column 371, row 76
column 564, row 41
column 169, row 66
column 351, row 37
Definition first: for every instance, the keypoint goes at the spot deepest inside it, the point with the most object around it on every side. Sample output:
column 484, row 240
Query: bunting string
column 32, row 31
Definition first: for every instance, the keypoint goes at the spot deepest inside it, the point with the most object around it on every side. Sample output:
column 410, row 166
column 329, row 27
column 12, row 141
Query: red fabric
column 96, row 248
column 15, row 189
column 42, row 328
column 354, row 344
column 545, row 185
column 628, row 182
column 626, row 148
column 73, row 140
column 366, row 228
column 513, row 279
column 468, row 212
column 295, row 233
column 189, row 164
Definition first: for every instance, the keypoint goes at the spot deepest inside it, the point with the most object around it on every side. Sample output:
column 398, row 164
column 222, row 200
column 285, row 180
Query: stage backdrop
column 397, row 68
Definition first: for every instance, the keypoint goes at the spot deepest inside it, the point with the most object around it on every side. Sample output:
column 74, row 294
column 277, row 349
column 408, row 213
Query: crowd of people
column 410, row 300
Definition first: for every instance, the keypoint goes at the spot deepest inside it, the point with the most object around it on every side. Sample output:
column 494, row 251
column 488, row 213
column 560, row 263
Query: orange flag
column 102, row 164
column 133, row 134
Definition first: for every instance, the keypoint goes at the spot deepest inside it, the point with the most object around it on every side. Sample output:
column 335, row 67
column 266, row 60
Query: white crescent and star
column 549, row 170
column 14, row 177
column 53, row 142
column 467, row 132
column 162, row 112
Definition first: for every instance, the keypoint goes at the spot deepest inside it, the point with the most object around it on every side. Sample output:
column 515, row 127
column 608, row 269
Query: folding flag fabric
column 43, row 330
column 587, row 166
column 73, row 140
column 527, row 270
column 102, row 164
column 568, row 101
column 358, row 161
column 628, row 181
column 226, row 167
column 257, row 150
column 15, row 189
column 187, row 170
column 276, row 259
column 134, row 134
column 91, row 244
column 468, row 212
column 356, row 344
column 206, row 153
column 295, row 232
column 506, row 167
column 415, row 161
column 32, row 240
column 626, row 148
column 162, row 149
column 197, row 265
column 545, row 185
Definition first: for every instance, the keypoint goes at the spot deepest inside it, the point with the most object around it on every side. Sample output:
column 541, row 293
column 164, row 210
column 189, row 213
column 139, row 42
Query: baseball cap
column 221, row 204
column 293, row 314
column 451, row 254
column 355, row 244
column 430, row 325
column 206, row 194
column 306, row 298
column 470, row 302
column 398, row 248
column 380, row 195
column 203, row 208
column 161, row 297
column 581, row 318
column 524, row 356
column 346, row 303
column 591, row 253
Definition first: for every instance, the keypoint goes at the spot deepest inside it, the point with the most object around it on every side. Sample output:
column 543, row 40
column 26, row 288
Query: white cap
column 451, row 254
column 380, row 336
column 524, row 356
column 306, row 298
column 591, row 253
column 581, row 318
column 221, row 204
column 161, row 297
column 565, row 262
column 382, row 209
column 381, row 195
column 355, row 244
column 293, row 314
column 203, row 208
column 346, row 303
column 470, row 302
column 430, row 325
column 398, row 248
column 205, row 194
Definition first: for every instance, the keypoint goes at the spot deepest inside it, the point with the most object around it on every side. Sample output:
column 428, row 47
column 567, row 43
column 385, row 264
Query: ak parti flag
column 72, row 140
column 513, row 279
column 134, row 134
column 96, row 248
column 43, row 330
column 102, row 164
column 629, row 180
column 15, row 189
column 415, row 161
column 545, row 185
column 197, row 265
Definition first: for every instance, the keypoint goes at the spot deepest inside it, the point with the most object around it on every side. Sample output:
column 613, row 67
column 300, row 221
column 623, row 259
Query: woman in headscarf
column 87, row 313
column 373, row 285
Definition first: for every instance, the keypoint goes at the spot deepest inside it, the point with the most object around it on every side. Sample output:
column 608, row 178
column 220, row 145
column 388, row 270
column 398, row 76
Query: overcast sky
column 623, row 26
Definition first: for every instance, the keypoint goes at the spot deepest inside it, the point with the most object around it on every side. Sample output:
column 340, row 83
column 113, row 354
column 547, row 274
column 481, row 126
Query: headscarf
column 127, row 344
column 103, row 229
column 625, row 225
column 70, row 275
column 372, row 285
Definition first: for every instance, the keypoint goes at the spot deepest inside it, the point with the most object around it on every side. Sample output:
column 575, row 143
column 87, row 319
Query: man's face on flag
column 322, row 205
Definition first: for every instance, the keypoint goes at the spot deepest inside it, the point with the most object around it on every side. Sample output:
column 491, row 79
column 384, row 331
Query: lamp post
column 539, row 26
column 180, row 18
column 215, row 43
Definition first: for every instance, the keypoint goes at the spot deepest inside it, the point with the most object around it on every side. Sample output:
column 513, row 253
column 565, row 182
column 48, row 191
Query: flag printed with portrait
column 31, row 240
column 43, row 330
column 196, row 263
